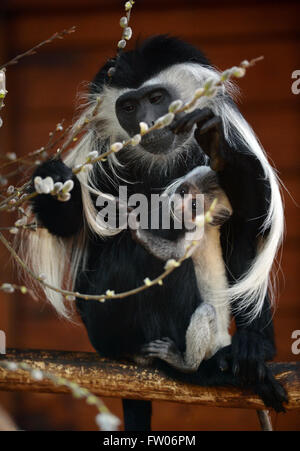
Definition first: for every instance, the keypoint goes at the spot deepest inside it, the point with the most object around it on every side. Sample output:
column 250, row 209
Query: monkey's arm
column 242, row 177
column 253, row 343
column 60, row 218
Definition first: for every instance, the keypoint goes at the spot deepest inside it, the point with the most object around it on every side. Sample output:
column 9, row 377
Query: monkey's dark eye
column 183, row 189
column 129, row 107
column 194, row 204
column 156, row 97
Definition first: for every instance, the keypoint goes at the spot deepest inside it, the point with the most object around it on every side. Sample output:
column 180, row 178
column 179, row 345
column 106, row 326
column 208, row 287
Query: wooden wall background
column 42, row 91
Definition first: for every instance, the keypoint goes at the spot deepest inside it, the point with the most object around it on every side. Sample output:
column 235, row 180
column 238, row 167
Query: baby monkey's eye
column 194, row 204
column 183, row 190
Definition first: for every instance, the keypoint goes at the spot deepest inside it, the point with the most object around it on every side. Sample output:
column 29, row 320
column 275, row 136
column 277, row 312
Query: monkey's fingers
column 158, row 344
column 186, row 122
column 272, row 392
column 155, row 350
column 215, row 123
column 167, row 340
column 162, row 348
column 248, row 357
column 210, row 137
column 223, row 358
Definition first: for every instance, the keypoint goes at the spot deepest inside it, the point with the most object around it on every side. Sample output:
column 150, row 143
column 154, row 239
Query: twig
column 105, row 418
column 32, row 51
column 209, row 89
column 85, row 123
column 18, row 191
column 11, row 287
column 170, row 266
column 51, row 143
column 124, row 23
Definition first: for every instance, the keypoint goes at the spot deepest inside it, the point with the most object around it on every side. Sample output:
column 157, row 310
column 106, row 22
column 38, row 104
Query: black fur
column 137, row 415
column 60, row 218
column 119, row 328
column 147, row 60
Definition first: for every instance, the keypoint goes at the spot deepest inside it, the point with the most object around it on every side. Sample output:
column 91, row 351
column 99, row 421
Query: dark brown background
column 42, row 91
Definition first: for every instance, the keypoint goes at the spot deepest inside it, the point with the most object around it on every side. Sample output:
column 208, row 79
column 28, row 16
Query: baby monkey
column 208, row 328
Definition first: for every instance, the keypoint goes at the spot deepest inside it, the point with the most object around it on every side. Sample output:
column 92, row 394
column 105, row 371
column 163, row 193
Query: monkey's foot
column 245, row 359
column 165, row 349
column 272, row 392
column 249, row 352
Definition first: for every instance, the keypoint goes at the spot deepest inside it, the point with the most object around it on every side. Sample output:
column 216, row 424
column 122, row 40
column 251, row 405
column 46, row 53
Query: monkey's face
column 147, row 104
column 198, row 190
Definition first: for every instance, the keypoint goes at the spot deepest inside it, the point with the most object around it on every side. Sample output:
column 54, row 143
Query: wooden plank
column 121, row 379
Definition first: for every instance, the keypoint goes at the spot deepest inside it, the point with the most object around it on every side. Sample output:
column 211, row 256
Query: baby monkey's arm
column 161, row 248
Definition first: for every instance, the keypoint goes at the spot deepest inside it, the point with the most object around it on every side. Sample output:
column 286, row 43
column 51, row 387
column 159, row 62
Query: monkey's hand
column 250, row 350
column 165, row 349
column 62, row 218
column 208, row 133
column 246, row 356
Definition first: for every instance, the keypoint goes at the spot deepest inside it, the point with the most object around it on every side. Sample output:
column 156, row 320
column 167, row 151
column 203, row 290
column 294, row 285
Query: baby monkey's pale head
column 202, row 185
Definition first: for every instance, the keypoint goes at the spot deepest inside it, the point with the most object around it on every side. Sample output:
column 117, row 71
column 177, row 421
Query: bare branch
column 32, row 51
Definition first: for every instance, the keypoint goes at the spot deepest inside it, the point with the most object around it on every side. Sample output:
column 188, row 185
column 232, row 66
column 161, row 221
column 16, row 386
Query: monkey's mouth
column 159, row 141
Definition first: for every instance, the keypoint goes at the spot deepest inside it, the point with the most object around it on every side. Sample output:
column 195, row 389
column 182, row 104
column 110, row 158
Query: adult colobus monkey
column 145, row 81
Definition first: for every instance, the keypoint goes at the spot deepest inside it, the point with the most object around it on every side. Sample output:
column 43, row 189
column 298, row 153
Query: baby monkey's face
column 197, row 195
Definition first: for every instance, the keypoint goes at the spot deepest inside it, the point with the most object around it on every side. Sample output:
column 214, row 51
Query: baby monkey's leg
column 199, row 335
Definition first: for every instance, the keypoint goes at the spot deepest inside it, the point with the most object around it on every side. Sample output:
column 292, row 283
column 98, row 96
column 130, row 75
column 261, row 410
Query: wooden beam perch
column 110, row 378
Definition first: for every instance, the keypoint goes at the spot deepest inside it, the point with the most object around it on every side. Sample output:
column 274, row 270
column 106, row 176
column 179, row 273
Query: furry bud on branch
column 123, row 22
column 129, row 5
column 171, row 264
column 165, row 120
column 135, row 140
column 116, row 147
column 143, row 128
column 175, row 106
column 47, row 186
